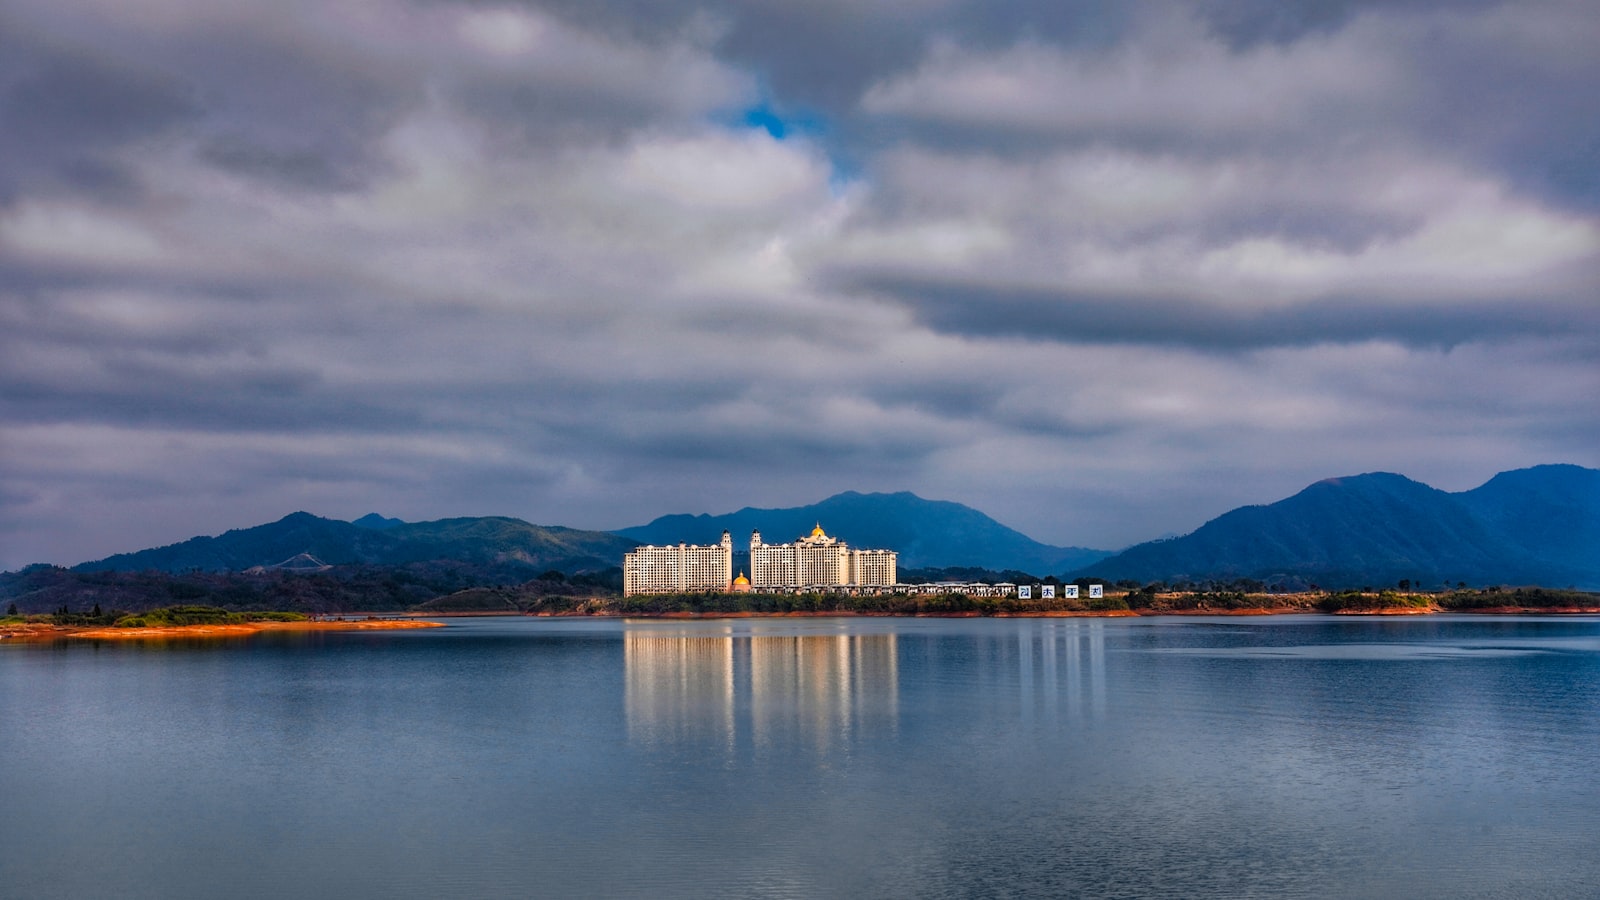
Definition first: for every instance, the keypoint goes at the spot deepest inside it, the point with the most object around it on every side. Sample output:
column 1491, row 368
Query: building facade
column 678, row 568
column 819, row 561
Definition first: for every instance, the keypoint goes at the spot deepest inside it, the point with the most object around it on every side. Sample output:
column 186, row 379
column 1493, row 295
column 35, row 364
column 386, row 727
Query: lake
column 1285, row 756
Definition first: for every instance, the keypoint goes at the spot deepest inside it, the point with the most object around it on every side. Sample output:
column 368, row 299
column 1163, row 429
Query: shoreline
column 1049, row 614
column 35, row 632
column 46, row 632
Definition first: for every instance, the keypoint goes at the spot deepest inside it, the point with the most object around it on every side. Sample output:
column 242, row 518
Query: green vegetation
column 344, row 589
column 1156, row 597
column 1358, row 601
column 99, row 599
column 92, row 618
column 171, row 616
column 534, row 602
column 1522, row 598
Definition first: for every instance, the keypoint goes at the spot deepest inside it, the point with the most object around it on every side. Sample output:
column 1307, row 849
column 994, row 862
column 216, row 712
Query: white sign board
column 1024, row 592
column 1047, row 592
column 1096, row 591
column 1069, row 591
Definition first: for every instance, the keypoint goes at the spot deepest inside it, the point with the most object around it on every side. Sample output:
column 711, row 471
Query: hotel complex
column 816, row 561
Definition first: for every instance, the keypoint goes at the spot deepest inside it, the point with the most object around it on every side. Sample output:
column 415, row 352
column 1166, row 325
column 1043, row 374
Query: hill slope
column 1551, row 513
column 487, row 540
column 1537, row 525
column 924, row 532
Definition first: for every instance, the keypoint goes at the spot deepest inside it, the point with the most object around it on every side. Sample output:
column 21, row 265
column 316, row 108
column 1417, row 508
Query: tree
column 11, row 610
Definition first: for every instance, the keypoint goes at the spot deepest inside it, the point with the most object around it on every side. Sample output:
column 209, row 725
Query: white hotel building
column 815, row 561
column 678, row 568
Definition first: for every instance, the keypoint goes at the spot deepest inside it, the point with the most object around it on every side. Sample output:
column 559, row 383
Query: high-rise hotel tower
column 817, row 560
column 681, row 567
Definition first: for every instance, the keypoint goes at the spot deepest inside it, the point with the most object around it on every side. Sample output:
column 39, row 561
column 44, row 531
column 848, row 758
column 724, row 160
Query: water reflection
column 679, row 686
column 1066, row 661
column 738, row 686
column 815, row 757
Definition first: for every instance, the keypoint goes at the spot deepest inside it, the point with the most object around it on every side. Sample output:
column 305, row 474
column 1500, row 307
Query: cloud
column 545, row 259
column 1176, row 84
column 1104, row 244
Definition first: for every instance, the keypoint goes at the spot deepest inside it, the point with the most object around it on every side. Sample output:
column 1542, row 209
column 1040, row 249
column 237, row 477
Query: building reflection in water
column 1061, row 667
column 729, row 684
column 679, row 686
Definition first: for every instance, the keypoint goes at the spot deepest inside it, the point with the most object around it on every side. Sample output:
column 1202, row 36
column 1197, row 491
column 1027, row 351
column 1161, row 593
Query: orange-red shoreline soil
column 1057, row 614
column 963, row 614
column 1392, row 611
column 1529, row 610
column 40, row 632
column 832, row 614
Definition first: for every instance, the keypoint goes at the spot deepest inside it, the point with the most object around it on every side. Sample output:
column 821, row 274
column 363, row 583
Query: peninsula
column 186, row 622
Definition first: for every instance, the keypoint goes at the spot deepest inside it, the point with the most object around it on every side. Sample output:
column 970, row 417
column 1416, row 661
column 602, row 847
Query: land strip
column 40, row 631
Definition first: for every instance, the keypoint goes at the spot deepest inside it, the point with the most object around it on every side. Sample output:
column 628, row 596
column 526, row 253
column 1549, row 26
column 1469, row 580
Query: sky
column 1101, row 270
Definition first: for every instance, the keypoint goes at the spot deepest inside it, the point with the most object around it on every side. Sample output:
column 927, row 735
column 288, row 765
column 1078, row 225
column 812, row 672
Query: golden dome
column 741, row 579
column 817, row 531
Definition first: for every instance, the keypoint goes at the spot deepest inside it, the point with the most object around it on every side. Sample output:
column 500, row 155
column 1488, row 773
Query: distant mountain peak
column 937, row 533
column 376, row 522
column 1369, row 478
column 1539, row 525
column 302, row 541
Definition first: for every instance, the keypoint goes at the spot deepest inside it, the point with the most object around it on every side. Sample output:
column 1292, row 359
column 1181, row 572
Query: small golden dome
column 741, row 579
column 817, row 531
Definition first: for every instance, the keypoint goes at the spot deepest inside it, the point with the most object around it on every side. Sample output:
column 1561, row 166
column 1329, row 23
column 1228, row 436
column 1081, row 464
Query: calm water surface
column 1256, row 757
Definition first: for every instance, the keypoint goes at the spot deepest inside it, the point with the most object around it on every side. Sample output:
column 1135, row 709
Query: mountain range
column 1539, row 525
column 1529, row 526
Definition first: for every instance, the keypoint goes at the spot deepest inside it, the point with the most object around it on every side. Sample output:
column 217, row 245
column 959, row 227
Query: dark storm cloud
column 1487, row 83
column 1245, row 23
column 61, row 111
column 1071, row 317
column 1522, row 104
column 135, row 392
column 81, row 112
column 824, row 55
